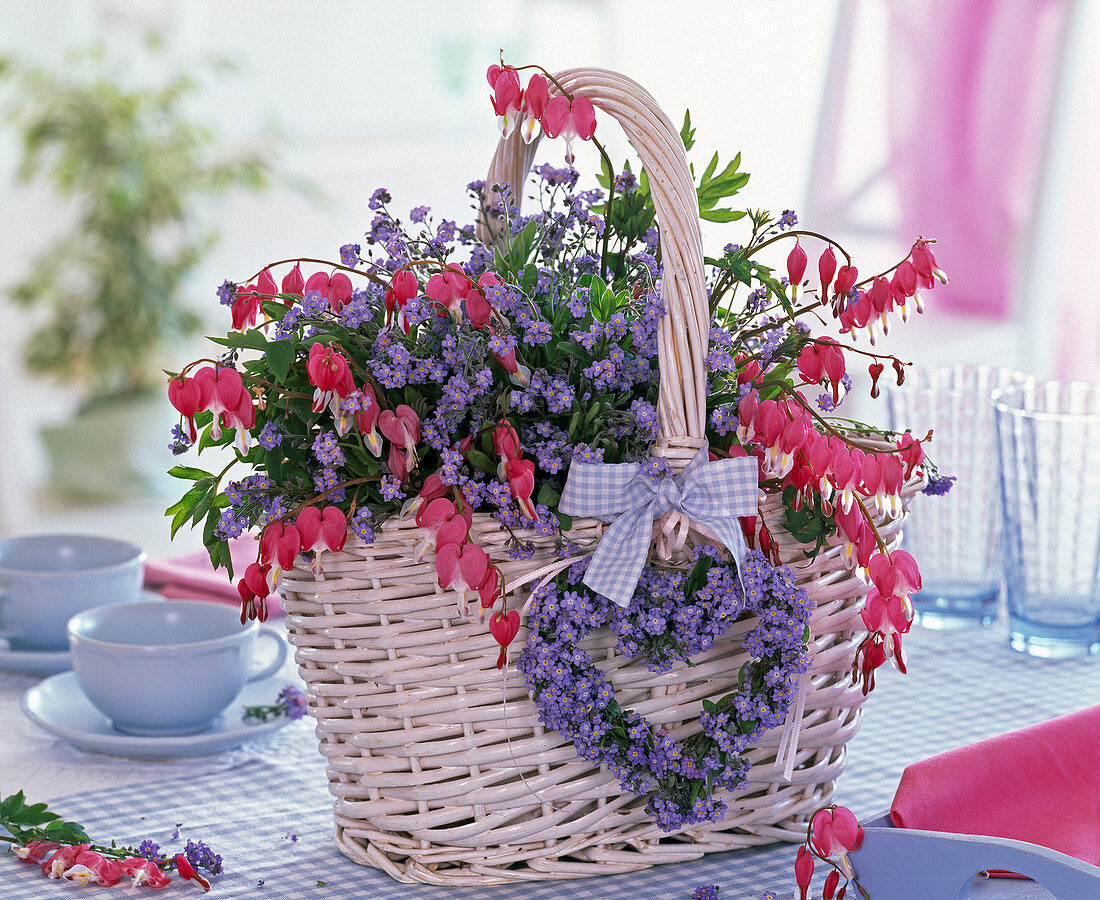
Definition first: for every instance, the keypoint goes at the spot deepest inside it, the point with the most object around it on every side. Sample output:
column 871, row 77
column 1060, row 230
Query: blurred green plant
column 139, row 169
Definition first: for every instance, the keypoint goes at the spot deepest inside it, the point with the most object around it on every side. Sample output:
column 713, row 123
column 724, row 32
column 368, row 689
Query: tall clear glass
column 956, row 537
column 1049, row 437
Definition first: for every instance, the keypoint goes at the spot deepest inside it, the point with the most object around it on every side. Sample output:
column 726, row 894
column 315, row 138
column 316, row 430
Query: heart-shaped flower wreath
column 674, row 615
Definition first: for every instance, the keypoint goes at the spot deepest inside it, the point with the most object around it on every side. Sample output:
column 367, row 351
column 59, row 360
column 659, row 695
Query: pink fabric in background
column 971, row 85
column 1040, row 784
column 192, row 577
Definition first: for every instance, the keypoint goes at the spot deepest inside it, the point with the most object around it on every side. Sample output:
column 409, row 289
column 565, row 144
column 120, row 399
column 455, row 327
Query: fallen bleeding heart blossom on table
column 63, row 850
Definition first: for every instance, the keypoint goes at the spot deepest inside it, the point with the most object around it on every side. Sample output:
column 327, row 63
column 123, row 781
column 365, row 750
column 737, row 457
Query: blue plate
column 59, row 706
column 907, row 864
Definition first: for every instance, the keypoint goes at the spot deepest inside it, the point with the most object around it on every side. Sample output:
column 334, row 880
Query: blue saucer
column 59, row 706
column 34, row 662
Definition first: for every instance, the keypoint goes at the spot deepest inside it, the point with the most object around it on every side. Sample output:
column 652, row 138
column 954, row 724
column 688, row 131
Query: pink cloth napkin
column 192, row 577
column 1040, row 784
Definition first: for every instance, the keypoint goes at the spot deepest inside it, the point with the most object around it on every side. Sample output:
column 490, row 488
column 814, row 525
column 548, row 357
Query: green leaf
column 246, row 340
column 481, row 461
column 722, row 215
column 548, row 496
column 565, row 521
column 687, row 133
column 280, row 354
column 188, row 472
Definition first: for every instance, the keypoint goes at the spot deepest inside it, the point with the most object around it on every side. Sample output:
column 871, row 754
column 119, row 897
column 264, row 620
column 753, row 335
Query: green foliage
column 35, row 822
column 137, row 168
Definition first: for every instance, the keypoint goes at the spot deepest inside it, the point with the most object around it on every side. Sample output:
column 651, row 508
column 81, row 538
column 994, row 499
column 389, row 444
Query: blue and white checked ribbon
column 712, row 494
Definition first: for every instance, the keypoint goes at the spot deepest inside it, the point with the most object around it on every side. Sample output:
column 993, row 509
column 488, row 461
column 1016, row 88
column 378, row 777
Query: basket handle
column 685, row 328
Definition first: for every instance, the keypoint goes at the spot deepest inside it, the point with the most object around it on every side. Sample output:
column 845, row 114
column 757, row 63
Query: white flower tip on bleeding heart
column 506, row 124
column 521, row 377
column 530, row 129
column 421, row 549
column 410, row 507
column 241, row 442
column 374, row 443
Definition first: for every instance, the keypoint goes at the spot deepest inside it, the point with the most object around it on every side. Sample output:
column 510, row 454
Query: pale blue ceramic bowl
column 46, row 579
column 166, row 667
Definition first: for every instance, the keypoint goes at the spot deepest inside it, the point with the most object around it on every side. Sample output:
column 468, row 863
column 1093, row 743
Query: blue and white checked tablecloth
column 270, row 814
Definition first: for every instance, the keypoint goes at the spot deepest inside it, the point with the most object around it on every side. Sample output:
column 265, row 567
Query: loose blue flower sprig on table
column 290, row 702
column 674, row 615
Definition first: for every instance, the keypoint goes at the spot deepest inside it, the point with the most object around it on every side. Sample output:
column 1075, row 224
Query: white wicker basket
column 439, row 767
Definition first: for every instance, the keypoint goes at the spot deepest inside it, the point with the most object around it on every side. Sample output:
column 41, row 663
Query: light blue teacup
column 46, row 579
column 166, row 667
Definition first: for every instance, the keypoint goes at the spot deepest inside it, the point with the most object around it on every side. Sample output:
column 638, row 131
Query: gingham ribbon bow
column 713, row 494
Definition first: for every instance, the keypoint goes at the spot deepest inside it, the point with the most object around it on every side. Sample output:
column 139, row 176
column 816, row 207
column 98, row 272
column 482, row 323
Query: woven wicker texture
column 439, row 767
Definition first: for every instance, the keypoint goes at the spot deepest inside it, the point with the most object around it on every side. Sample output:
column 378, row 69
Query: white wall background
column 368, row 94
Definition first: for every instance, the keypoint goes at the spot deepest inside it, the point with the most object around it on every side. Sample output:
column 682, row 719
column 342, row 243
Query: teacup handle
column 280, row 653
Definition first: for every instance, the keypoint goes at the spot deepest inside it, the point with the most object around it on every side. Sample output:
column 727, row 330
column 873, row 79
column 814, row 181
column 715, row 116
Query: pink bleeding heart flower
column 885, row 615
column 478, row 310
column 747, row 408
column 254, row 589
column 366, row 420
column 279, row 543
column 320, row 530
column 144, row 871
column 448, row 289
column 293, row 282
column 329, row 373
column 265, row 285
column 91, row 867
column 339, row 291
column 34, row 851
column 507, row 96
column 905, row 283
column 403, row 287
column 443, row 524
column 222, row 388
column 869, row 656
column 521, row 482
column 65, row 856
column 433, row 487
column 535, row 100
column 245, row 308
column 241, row 419
column 461, row 568
column 803, row 870
column 895, row 574
column 188, row 873
column 834, row 831
column 506, row 446
column 820, row 358
column 796, row 267
column 924, row 261
column 828, row 889
column 826, row 269
column 569, row 119
column 489, row 589
column 518, row 373
column 504, row 627
column 318, row 282
column 401, row 426
column 189, row 397
column 875, row 371
column 911, row 452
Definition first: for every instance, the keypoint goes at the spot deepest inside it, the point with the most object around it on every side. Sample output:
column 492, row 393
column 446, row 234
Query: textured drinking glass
column 1049, row 437
column 955, row 537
